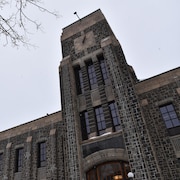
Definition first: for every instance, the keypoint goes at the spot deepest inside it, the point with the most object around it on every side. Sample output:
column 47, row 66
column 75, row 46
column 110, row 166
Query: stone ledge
column 32, row 125
column 158, row 81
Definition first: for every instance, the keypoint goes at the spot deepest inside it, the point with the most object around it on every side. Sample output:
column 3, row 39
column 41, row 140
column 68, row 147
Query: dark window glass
column 79, row 80
column 103, row 68
column 42, row 154
column 85, row 129
column 91, row 75
column 100, row 120
column 19, row 159
column 169, row 116
column 1, row 161
column 115, row 117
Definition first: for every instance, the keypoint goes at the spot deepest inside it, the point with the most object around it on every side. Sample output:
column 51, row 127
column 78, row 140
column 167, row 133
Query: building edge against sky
column 110, row 123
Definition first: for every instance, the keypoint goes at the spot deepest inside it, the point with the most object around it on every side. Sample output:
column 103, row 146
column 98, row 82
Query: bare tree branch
column 13, row 28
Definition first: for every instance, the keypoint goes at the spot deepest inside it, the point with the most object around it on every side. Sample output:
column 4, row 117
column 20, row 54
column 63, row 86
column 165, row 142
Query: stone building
column 110, row 123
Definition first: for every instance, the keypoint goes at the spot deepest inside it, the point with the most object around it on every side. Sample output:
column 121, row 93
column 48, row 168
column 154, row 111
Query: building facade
column 110, row 123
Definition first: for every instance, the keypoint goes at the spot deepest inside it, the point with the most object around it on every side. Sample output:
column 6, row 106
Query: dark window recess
column 114, row 116
column 103, row 68
column 91, row 75
column 79, row 80
column 42, row 154
column 169, row 116
column 19, row 159
column 100, row 120
column 1, row 161
column 85, row 129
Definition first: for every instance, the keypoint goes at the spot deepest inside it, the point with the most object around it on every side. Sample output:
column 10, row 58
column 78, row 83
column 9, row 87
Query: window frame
column 42, row 158
column 91, row 74
column 103, row 67
column 100, row 120
column 79, row 80
column 85, row 127
column 114, row 116
column 19, row 159
column 169, row 116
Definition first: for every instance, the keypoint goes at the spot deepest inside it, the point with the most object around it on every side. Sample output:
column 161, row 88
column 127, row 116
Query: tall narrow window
column 1, row 161
column 91, row 75
column 115, row 117
column 79, row 80
column 100, row 120
column 42, row 154
column 169, row 116
column 85, row 129
column 19, row 159
column 103, row 68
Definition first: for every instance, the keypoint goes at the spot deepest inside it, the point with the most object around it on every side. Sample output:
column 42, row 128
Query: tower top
column 82, row 24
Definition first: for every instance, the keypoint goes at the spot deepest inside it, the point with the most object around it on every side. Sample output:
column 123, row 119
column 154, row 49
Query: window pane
column 170, row 108
column 117, row 127
column 172, row 115
column 163, row 110
column 19, row 159
column 103, row 68
column 176, row 122
column 42, row 154
column 169, row 116
column 169, row 124
column 79, row 80
column 85, row 128
column 92, row 75
column 166, row 117
column 114, row 115
column 101, row 125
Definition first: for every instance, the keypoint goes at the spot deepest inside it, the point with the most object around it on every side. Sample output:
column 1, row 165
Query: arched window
column 116, row 170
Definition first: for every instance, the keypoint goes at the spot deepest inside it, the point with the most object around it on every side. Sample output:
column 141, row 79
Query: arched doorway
column 116, row 170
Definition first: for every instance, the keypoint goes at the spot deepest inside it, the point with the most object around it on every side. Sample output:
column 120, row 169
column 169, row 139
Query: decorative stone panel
column 144, row 102
column 85, row 41
column 178, row 90
column 109, row 93
column 96, row 101
column 175, row 140
column 81, row 103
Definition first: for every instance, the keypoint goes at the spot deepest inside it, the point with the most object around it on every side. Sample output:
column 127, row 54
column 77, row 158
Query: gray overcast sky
column 149, row 32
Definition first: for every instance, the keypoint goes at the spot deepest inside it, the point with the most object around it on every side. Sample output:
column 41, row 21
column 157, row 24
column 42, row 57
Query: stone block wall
column 152, row 93
column 136, row 136
column 69, row 115
column 50, row 130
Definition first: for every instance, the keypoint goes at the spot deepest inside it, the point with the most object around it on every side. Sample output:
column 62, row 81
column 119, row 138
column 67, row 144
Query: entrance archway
column 114, row 170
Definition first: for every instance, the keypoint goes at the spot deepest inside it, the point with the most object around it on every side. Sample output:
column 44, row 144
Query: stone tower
column 95, row 82
column 111, row 123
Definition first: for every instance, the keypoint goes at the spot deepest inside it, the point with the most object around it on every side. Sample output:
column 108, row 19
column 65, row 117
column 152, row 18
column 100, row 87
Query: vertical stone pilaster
column 135, row 133
column 52, row 165
column 7, row 162
column 68, row 113
column 27, row 157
